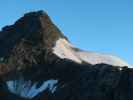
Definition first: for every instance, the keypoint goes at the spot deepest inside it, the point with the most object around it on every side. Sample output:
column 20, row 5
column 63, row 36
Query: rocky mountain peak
column 39, row 23
column 35, row 27
column 37, row 62
column 28, row 41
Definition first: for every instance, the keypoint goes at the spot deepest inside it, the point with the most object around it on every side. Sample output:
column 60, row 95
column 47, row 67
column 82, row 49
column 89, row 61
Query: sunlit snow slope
column 64, row 49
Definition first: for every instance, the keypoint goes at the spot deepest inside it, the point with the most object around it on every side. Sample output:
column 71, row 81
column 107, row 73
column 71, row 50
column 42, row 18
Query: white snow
column 64, row 49
column 27, row 89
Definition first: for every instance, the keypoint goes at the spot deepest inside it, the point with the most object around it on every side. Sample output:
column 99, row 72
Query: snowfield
column 64, row 49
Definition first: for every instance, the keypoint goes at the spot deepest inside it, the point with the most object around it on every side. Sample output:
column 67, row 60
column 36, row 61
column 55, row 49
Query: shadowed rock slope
column 34, row 66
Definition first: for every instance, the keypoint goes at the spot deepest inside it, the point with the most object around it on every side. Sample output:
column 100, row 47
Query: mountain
column 37, row 62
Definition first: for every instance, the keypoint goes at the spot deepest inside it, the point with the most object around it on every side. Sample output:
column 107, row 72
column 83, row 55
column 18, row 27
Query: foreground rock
column 37, row 62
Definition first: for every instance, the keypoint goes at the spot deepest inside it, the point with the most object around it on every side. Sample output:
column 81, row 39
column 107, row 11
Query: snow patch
column 29, row 90
column 97, row 58
column 63, row 50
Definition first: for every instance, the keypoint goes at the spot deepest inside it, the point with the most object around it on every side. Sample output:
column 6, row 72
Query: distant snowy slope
column 64, row 49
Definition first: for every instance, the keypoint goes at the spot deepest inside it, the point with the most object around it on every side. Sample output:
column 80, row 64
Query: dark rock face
column 26, row 52
column 33, row 28
column 92, row 82
column 28, row 40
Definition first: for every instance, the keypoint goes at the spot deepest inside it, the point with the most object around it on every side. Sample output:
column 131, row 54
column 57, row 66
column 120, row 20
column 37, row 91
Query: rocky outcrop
column 30, row 70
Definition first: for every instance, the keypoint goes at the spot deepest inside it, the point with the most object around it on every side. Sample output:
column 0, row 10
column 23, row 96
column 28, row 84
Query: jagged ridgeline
column 37, row 62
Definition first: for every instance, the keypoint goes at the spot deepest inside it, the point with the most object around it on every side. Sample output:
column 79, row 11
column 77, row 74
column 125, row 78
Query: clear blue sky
column 96, row 25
